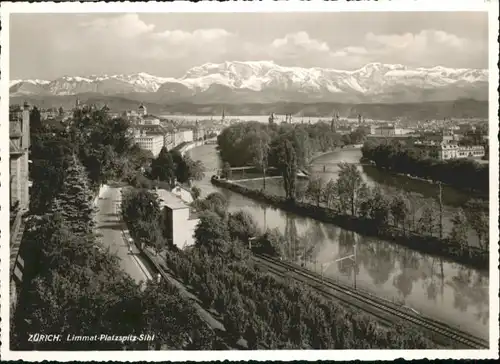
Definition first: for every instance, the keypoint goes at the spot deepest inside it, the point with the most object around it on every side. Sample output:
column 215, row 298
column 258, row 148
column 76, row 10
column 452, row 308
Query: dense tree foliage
column 250, row 143
column 266, row 312
column 400, row 158
column 172, row 166
column 35, row 120
column 51, row 153
column 137, row 203
column 215, row 202
column 357, row 136
column 260, row 150
column 71, row 284
column 287, row 164
column 102, row 144
column 75, row 201
column 478, row 219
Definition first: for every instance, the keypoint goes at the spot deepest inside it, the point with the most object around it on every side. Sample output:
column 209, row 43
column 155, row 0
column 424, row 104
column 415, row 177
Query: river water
column 435, row 287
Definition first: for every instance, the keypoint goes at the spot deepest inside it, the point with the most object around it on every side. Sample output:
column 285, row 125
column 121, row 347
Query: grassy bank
column 444, row 248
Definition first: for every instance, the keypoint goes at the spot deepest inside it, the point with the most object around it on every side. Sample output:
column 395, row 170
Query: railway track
column 345, row 301
column 372, row 304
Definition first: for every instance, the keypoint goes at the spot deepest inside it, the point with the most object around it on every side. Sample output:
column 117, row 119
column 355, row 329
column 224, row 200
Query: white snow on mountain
column 33, row 82
column 373, row 78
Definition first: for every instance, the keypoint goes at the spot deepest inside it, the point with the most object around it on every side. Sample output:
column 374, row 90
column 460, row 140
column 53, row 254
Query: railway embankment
column 385, row 311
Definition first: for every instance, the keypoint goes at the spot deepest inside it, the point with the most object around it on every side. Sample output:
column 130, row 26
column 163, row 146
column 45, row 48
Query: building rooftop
column 170, row 200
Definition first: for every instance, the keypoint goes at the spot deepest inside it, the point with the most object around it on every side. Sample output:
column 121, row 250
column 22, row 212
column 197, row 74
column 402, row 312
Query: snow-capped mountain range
column 266, row 81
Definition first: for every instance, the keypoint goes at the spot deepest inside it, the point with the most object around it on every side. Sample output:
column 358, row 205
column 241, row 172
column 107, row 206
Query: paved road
column 110, row 226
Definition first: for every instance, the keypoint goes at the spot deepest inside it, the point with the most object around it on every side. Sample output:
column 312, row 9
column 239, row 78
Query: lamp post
column 353, row 258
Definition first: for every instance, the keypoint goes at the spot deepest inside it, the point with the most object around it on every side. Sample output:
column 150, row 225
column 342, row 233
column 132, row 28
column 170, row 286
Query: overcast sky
column 47, row 46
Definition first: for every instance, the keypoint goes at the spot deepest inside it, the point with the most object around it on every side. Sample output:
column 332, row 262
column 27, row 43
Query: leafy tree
column 139, row 158
column 260, row 150
column 399, row 210
column 427, row 221
column 376, row 207
column 350, row 187
column 35, row 120
column 71, row 278
column 51, row 154
column 413, row 203
column 99, row 139
column 235, row 318
column 188, row 169
column 478, row 219
column 241, row 226
column 141, row 211
column 75, row 202
column 459, row 230
column 209, row 290
column 163, row 167
column 254, row 333
column 287, row 165
column 195, row 192
column 315, row 190
column 160, row 302
column 140, row 204
column 217, row 202
column 300, row 192
column 330, row 193
column 211, row 232
column 196, row 170
column 271, row 243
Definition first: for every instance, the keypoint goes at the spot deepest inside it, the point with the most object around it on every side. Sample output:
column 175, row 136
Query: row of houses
column 446, row 151
column 155, row 139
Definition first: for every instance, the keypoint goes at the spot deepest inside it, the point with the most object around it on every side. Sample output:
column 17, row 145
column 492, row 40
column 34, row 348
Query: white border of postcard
column 490, row 6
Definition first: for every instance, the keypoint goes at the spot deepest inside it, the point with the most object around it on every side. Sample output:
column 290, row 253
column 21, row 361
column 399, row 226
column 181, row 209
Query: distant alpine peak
column 373, row 81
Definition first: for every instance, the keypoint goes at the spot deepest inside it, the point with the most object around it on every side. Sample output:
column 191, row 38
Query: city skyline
column 168, row 45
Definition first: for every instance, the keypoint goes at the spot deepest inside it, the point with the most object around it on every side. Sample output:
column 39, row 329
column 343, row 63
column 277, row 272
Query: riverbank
column 444, row 248
column 474, row 194
column 347, row 148
column 474, row 177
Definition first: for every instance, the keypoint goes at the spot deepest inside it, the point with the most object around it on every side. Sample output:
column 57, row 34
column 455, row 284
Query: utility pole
column 304, row 258
column 440, row 210
column 354, row 270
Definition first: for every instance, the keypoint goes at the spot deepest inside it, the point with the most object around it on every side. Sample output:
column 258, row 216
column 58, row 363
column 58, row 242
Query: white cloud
column 426, row 48
column 421, row 41
column 127, row 26
column 299, row 42
column 129, row 36
column 358, row 51
column 131, row 39
column 199, row 36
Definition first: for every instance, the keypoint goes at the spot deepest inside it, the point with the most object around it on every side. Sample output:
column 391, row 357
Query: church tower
column 142, row 111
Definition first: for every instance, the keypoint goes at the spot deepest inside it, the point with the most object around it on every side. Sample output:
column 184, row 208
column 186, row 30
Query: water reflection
column 420, row 192
column 435, row 287
column 326, row 166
